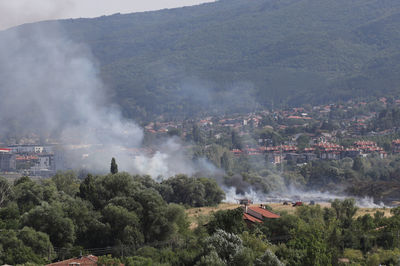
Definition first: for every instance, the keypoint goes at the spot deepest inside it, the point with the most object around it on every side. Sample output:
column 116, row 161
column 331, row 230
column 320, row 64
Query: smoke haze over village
column 50, row 87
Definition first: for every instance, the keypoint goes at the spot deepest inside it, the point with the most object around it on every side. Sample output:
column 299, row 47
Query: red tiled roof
column 26, row 158
column 85, row 260
column 365, row 143
column 298, row 117
column 265, row 213
column 251, row 218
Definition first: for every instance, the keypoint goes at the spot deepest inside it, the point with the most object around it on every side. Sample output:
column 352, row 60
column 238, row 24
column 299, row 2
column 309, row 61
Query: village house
column 328, row 151
column 275, row 158
column 257, row 214
column 368, row 147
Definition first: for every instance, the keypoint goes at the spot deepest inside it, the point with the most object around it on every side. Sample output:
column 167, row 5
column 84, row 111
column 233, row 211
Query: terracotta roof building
column 256, row 214
column 88, row 260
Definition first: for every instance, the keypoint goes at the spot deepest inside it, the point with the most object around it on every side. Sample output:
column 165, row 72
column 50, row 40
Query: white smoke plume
column 231, row 196
column 50, row 86
column 171, row 159
column 293, row 195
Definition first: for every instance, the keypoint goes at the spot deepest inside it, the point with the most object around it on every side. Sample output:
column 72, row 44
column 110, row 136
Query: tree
column 268, row 259
column 186, row 190
column 123, row 226
column 14, row 251
column 66, row 182
column 236, row 142
column 87, row 190
column 50, row 219
column 108, row 260
column 196, row 134
column 310, row 240
column 226, row 162
column 27, row 193
column 228, row 246
column 345, row 210
column 5, row 191
column 114, row 166
column 303, row 141
column 153, row 217
column 230, row 221
column 357, row 164
column 213, row 193
column 39, row 242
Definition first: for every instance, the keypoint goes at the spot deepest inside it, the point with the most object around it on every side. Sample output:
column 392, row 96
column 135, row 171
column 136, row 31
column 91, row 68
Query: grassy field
column 201, row 215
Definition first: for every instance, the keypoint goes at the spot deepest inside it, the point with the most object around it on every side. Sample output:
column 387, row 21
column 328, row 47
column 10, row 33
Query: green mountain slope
column 233, row 55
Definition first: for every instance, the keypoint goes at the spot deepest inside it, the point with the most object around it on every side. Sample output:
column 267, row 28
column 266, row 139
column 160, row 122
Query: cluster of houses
column 355, row 120
column 30, row 159
column 321, row 150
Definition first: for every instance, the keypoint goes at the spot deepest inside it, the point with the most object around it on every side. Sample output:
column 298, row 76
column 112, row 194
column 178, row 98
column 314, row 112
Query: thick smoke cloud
column 50, row 86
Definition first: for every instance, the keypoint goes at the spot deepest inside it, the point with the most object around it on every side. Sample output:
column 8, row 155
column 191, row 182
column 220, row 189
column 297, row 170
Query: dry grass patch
column 202, row 215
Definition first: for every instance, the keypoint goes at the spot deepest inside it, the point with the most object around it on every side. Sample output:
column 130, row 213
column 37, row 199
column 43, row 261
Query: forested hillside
column 232, row 55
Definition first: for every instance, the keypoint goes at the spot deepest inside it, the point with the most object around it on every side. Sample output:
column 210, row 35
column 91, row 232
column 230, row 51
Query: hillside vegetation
column 236, row 55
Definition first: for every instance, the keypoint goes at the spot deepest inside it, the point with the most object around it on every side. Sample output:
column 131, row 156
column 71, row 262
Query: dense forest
column 62, row 216
column 234, row 55
column 136, row 221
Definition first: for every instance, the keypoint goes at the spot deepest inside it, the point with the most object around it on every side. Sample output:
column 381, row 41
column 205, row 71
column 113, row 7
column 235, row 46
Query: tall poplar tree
column 114, row 166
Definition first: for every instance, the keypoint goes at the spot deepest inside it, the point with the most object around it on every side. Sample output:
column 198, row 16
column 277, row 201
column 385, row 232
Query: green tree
column 213, row 193
column 357, row 164
column 345, row 210
column 268, row 259
column 114, row 166
column 5, row 191
column 226, row 245
column 196, row 134
column 124, row 226
column 29, row 194
column 185, row 190
column 66, row 182
column 154, row 222
column 230, row 221
column 226, row 162
column 236, row 141
column 108, row 260
column 310, row 240
column 14, row 251
column 87, row 189
column 303, row 141
column 39, row 242
column 50, row 219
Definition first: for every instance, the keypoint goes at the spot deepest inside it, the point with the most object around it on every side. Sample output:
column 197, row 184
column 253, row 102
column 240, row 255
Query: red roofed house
column 83, row 260
column 256, row 214
column 329, row 151
column 367, row 147
column 249, row 218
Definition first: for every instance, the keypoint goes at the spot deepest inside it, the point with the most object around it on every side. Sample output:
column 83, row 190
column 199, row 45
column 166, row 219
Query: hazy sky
column 16, row 12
